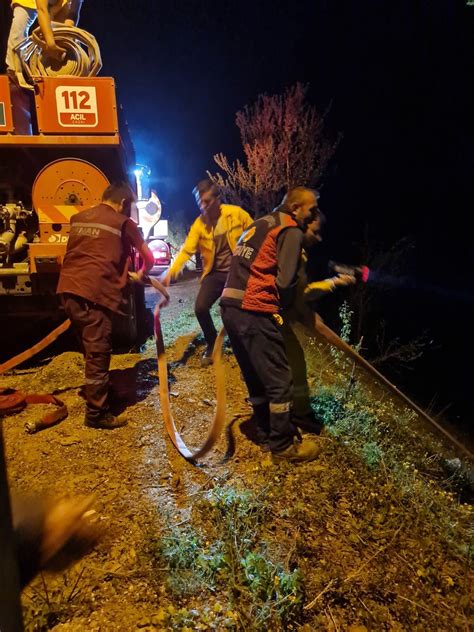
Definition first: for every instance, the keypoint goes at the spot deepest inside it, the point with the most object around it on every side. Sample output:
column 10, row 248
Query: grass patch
column 227, row 556
column 185, row 322
column 372, row 534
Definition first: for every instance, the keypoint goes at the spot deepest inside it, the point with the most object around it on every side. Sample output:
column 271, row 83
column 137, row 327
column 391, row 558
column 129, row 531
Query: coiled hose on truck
column 82, row 57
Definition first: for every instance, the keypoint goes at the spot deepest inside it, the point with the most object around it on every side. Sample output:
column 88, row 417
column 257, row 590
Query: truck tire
column 125, row 328
column 132, row 328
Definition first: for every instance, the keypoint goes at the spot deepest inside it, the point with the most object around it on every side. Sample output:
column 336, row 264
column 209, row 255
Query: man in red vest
column 93, row 275
column 261, row 281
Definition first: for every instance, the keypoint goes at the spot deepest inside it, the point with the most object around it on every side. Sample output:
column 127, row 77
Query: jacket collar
column 281, row 208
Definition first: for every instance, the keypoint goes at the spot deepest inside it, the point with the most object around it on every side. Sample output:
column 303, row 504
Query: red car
column 162, row 254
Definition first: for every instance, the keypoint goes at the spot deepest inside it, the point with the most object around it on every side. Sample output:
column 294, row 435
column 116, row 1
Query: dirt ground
column 135, row 473
column 143, row 488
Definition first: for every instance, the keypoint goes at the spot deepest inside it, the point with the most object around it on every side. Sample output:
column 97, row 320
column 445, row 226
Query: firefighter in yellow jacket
column 214, row 234
column 25, row 13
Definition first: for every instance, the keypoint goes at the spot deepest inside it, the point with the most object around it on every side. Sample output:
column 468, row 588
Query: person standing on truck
column 92, row 277
column 25, row 13
column 214, row 234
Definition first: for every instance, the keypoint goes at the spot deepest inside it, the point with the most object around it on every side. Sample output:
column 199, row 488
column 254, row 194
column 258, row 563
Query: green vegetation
column 372, row 535
column 227, row 553
column 185, row 321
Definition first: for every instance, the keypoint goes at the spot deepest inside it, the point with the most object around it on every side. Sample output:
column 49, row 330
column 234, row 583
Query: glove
column 278, row 319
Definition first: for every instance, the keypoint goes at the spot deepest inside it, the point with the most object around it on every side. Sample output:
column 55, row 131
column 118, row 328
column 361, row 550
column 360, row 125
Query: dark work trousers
column 297, row 362
column 93, row 324
column 210, row 290
column 258, row 346
column 303, row 415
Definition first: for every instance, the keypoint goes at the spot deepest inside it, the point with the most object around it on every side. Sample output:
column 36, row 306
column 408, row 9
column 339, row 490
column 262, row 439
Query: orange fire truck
column 78, row 144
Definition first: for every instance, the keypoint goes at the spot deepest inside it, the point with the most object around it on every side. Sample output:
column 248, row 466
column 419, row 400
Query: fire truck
column 57, row 156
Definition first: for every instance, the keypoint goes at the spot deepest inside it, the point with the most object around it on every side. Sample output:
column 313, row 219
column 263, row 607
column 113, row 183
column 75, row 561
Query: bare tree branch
column 284, row 145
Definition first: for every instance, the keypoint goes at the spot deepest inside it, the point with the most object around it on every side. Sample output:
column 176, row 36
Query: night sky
column 399, row 75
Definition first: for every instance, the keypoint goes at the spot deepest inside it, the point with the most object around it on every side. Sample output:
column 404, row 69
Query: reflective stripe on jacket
column 251, row 284
column 201, row 238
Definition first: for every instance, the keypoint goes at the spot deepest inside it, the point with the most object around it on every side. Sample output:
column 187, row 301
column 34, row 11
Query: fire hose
column 81, row 59
column 219, row 416
column 218, row 423
column 13, row 401
column 32, row 351
column 336, row 341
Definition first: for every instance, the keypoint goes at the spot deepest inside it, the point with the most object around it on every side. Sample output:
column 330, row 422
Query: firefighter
column 214, row 234
column 261, row 281
column 25, row 13
column 301, row 310
column 92, row 277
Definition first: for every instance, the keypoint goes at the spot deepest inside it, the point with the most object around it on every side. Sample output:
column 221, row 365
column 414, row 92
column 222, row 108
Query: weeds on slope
column 223, row 554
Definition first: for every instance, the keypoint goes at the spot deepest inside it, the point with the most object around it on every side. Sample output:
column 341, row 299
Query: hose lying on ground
column 218, row 423
column 336, row 341
column 219, row 415
column 82, row 57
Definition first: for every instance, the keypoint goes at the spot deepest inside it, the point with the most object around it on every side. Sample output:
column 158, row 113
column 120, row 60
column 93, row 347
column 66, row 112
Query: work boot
column 106, row 421
column 206, row 359
column 297, row 452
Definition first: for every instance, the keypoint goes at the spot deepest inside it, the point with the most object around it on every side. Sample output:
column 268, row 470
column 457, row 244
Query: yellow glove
column 278, row 319
column 314, row 290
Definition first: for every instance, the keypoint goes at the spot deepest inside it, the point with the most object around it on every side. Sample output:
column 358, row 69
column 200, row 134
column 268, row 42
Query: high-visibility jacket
column 201, row 237
column 28, row 4
column 31, row 4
